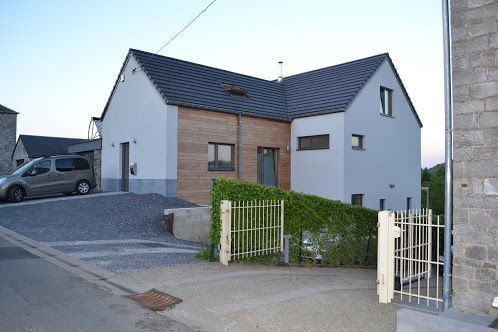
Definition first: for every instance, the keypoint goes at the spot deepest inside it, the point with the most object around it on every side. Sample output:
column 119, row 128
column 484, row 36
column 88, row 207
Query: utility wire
column 179, row 32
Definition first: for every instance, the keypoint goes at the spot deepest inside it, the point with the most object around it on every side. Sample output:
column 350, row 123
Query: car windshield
column 25, row 166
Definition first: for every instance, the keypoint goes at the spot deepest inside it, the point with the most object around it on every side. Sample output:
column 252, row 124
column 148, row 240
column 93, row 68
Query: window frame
column 382, row 204
column 361, row 199
column 26, row 173
column 299, row 138
column 408, row 203
column 216, row 167
column 382, row 101
column 362, row 145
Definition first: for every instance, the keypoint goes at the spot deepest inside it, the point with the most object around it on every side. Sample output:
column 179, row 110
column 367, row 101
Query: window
column 408, row 203
column 64, row 165
column 386, row 101
column 357, row 142
column 316, row 142
column 357, row 199
column 220, row 157
column 19, row 162
column 382, row 204
column 81, row 164
column 39, row 168
column 233, row 89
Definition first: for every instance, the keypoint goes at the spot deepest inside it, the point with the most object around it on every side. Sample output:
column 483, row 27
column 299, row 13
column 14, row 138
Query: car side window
column 39, row 168
column 81, row 164
column 65, row 165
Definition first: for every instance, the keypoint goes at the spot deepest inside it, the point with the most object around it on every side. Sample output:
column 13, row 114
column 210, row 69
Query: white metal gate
column 408, row 264
column 251, row 228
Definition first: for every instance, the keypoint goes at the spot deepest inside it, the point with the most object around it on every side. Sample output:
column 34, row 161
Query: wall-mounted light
column 287, row 148
column 392, row 186
column 134, row 140
column 122, row 77
column 112, row 144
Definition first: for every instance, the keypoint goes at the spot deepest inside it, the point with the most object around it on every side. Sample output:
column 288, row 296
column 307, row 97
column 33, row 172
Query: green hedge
column 340, row 232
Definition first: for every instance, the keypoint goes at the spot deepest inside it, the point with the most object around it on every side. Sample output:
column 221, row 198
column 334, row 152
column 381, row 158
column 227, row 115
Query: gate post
column 385, row 256
column 225, row 240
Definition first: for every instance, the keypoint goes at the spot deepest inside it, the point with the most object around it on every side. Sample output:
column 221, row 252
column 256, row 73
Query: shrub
column 340, row 232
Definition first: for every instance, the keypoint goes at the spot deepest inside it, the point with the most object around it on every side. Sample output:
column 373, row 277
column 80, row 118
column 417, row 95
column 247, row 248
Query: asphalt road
column 113, row 231
column 36, row 295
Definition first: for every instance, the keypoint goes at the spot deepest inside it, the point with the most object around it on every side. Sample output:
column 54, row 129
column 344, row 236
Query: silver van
column 49, row 175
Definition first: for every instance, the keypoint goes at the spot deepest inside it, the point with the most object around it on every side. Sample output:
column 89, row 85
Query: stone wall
column 20, row 153
column 8, row 124
column 475, row 191
column 97, row 162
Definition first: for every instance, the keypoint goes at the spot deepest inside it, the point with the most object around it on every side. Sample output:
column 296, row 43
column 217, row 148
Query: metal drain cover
column 155, row 300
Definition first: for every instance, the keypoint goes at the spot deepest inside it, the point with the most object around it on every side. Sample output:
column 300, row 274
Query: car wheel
column 83, row 187
column 16, row 194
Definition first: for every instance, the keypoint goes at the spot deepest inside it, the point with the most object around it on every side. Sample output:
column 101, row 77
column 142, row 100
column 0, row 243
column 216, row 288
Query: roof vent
column 233, row 89
column 280, row 77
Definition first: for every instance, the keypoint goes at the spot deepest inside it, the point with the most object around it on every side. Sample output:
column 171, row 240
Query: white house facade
column 356, row 140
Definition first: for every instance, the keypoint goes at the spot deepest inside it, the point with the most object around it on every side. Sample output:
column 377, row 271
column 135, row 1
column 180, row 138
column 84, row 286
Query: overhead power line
column 179, row 32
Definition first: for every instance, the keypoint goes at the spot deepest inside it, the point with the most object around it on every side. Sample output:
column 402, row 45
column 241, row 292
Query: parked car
column 49, row 175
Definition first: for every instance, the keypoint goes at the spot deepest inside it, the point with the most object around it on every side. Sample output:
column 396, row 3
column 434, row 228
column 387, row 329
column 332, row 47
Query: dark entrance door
column 267, row 166
column 125, row 165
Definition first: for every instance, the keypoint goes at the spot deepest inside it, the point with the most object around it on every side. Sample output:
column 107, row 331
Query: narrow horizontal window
column 357, row 199
column 357, row 141
column 316, row 142
column 220, row 157
column 386, row 101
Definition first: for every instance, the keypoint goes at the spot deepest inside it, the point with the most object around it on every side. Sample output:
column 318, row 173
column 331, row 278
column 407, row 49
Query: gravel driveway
column 116, row 231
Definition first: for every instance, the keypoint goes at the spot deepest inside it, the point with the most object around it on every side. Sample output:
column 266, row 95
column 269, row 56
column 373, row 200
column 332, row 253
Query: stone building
column 475, row 189
column 8, row 126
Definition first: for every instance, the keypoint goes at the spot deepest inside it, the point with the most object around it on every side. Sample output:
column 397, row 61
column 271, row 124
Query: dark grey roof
column 43, row 146
column 86, row 145
column 4, row 109
column 321, row 91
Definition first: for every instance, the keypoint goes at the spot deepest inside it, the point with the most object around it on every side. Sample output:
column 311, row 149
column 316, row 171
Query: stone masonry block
column 483, row 216
column 471, row 137
column 491, row 186
column 475, row 168
column 475, row 252
column 462, row 154
column 460, row 216
column 475, row 3
column 477, row 186
column 462, row 186
column 461, row 300
column 460, row 284
column 476, row 44
column 493, row 40
column 483, row 28
column 488, row 120
column 485, row 58
column 482, row 153
column 492, row 104
column 464, row 77
column 474, row 234
column 466, row 121
column 491, row 136
column 493, row 254
column 460, row 62
column 492, row 73
column 464, row 272
column 485, row 275
column 461, row 93
column 468, row 106
column 458, row 33
column 473, row 16
column 468, row 262
column 484, row 90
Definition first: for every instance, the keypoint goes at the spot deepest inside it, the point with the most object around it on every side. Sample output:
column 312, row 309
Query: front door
column 267, row 166
column 125, row 165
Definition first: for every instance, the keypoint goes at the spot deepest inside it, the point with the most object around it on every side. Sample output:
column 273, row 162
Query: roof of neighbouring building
column 321, row 91
column 44, row 146
column 4, row 109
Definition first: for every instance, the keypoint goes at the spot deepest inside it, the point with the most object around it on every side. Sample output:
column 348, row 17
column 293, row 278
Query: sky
column 60, row 59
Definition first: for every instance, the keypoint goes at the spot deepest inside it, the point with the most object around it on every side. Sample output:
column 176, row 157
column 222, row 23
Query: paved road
column 36, row 295
column 114, row 231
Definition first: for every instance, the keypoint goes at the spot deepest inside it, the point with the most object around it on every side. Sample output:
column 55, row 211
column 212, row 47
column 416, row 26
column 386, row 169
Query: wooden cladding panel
column 196, row 128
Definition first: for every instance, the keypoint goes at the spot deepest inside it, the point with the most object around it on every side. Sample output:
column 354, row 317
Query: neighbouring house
column 92, row 150
column 346, row 132
column 30, row 146
column 8, row 127
column 475, row 146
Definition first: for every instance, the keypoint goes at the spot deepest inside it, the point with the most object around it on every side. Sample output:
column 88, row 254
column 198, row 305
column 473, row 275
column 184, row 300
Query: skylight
column 233, row 89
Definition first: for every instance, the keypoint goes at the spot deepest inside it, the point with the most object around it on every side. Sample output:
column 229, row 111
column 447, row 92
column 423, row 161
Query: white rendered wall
column 319, row 172
column 138, row 113
column 392, row 147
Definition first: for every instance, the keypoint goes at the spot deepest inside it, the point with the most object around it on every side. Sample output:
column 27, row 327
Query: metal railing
column 251, row 228
column 408, row 257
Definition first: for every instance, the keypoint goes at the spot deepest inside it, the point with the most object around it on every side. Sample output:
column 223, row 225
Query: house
column 346, row 132
column 29, row 147
column 8, row 127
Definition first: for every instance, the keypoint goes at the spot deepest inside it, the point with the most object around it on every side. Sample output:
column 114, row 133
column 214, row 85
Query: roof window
column 233, row 89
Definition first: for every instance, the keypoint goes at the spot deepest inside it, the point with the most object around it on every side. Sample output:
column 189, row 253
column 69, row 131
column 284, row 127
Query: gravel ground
column 104, row 217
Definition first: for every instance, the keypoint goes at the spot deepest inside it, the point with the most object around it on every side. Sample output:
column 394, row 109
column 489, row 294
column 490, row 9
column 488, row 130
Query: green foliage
column 338, row 231
column 203, row 254
column 435, row 182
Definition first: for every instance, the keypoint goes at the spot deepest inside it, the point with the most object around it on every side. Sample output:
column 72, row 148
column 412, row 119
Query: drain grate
column 155, row 300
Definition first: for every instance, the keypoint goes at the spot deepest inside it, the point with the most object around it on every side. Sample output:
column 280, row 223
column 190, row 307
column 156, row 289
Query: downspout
column 448, row 185
column 240, row 146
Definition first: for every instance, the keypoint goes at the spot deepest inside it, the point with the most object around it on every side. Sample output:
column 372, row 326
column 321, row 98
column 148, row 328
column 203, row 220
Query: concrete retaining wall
column 190, row 224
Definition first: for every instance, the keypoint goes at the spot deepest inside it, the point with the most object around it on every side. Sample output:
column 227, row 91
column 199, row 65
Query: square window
column 316, row 142
column 220, row 157
column 386, row 101
column 357, row 199
column 357, row 141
